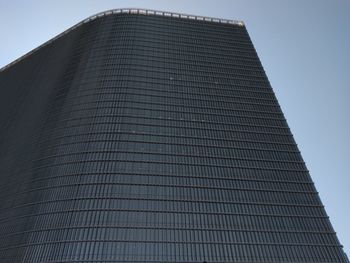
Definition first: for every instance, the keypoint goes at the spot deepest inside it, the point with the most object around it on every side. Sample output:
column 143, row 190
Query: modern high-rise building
column 147, row 136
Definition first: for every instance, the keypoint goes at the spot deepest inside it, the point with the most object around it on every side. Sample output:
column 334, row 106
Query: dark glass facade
column 150, row 138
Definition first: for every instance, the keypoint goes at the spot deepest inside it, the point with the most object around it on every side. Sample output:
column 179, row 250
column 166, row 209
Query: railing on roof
column 126, row 11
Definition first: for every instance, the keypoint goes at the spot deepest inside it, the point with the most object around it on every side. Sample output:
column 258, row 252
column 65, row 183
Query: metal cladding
column 152, row 137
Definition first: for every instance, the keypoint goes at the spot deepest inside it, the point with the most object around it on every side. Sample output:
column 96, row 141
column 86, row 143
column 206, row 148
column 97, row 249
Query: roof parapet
column 162, row 13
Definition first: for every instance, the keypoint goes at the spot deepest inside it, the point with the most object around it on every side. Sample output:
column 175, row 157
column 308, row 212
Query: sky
column 303, row 46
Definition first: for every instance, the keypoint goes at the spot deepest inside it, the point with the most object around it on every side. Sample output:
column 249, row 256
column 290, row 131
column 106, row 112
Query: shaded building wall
column 152, row 139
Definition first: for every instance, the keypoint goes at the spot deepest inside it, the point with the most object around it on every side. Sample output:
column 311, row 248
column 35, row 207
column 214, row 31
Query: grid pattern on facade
column 153, row 139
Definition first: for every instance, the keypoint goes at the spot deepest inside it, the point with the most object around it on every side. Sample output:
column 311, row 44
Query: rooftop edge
column 140, row 11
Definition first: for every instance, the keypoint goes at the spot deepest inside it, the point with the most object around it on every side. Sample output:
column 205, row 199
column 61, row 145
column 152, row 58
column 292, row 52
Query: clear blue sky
column 304, row 47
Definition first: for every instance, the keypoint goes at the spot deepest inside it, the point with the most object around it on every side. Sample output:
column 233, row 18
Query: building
column 146, row 136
